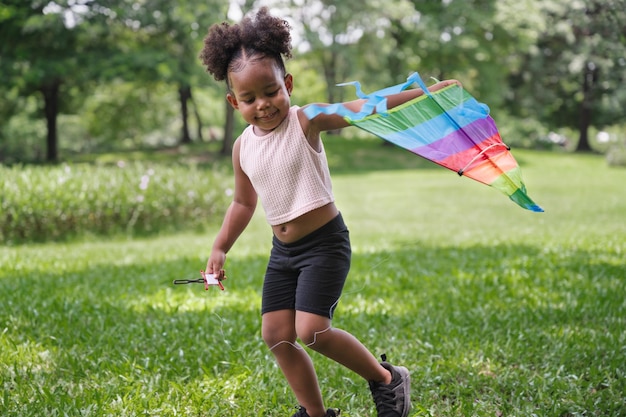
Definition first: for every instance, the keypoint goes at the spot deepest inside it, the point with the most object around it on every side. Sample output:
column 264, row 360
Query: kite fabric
column 448, row 127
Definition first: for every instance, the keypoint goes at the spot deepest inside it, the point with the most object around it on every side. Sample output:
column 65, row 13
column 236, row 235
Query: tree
column 382, row 43
column 575, row 75
column 174, row 35
column 38, row 56
column 60, row 50
column 329, row 32
column 475, row 41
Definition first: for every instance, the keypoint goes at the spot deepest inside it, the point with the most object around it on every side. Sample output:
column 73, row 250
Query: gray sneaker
column 393, row 400
column 331, row 412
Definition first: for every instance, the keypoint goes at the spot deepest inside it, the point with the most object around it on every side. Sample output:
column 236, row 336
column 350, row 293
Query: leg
column 390, row 385
column 318, row 334
column 278, row 329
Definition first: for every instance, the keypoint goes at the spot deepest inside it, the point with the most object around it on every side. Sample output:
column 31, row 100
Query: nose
column 262, row 103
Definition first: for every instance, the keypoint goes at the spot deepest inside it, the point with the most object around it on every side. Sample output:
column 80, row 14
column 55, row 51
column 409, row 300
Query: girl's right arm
column 236, row 219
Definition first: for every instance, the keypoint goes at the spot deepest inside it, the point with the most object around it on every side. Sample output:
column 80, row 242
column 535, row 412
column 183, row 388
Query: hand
column 215, row 264
column 220, row 275
column 442, row 84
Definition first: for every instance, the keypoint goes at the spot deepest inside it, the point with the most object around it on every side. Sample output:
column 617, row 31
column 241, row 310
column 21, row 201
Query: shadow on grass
column 507, row 324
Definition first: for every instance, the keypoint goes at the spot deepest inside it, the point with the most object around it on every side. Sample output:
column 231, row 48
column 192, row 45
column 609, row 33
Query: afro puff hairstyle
column 227, row 47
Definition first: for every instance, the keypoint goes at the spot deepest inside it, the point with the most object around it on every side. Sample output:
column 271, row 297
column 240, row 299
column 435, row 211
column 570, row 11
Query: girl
column 280, row 159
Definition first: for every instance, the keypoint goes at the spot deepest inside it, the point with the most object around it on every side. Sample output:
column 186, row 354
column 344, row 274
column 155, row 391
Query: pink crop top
column 289, row 176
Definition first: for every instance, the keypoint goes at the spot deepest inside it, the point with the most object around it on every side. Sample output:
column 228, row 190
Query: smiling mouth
column 268, row 116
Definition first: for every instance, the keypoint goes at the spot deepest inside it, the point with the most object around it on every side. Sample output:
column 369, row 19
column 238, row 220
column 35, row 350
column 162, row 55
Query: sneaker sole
column 406, row 384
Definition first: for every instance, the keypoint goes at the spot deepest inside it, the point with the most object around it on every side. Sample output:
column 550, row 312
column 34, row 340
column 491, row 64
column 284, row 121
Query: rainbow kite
column 448, row 127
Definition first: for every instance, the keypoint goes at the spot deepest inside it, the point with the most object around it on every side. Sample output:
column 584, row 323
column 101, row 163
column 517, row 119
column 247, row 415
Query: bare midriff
column 309, row 222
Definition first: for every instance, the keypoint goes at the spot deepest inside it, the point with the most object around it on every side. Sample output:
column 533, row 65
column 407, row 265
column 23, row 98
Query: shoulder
column 298, row 113
column 236, row 151
column 309, row 129
column 243, row 138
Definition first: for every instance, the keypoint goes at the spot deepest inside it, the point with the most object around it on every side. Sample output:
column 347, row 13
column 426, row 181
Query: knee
column 273, row 336
column 312, row 336
column 275, row 331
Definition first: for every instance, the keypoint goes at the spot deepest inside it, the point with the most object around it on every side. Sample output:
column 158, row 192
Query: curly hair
column 228, row 47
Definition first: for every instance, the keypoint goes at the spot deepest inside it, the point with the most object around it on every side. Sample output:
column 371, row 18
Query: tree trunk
column 329, row 65
column 330, row 75
column 589, row 80
column 184, row 94
column 229, row 127
column 51, row 109
column 197, row 116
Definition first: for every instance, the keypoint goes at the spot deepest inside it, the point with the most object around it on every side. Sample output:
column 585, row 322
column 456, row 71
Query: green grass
column 496, row 311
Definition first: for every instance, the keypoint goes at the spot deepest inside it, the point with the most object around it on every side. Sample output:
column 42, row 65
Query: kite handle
column 188, row 281
column 207, row 280
column 462, row 170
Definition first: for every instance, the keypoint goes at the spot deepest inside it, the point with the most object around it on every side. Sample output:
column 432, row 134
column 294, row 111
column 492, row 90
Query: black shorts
column 308, row 274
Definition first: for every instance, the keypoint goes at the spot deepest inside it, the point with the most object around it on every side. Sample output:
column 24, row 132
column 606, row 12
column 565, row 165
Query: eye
column 248, row 100
column 273, row 93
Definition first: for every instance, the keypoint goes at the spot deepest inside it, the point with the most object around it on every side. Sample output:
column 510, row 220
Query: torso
column 309, row 222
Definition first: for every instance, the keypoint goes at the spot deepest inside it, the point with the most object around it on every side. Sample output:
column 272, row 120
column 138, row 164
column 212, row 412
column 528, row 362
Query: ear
column 289, row 83
column 232, row 100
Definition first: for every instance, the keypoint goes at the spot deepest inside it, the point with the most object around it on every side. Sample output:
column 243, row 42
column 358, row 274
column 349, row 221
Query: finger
column 209, row 268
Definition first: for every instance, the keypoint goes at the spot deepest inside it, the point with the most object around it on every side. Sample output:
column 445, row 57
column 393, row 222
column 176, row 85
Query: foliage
column 21, row 135
column 58, row 202
column 171, row 38
column 521, row 132
column 495, row 310
column 108, row 120
column 574, row 75
column 616, row 154
column 61, row 49
column 527, row 58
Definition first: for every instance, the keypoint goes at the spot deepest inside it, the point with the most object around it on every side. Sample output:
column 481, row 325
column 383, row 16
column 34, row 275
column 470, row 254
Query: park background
column 115, row 174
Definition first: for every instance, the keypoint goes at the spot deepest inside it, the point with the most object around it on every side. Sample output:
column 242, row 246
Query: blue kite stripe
column 458, row 140
column 427, row 132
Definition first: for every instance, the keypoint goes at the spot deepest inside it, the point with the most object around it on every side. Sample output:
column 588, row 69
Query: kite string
column 224, row 335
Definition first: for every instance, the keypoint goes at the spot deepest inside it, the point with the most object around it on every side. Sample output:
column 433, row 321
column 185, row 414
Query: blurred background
column 85, row 76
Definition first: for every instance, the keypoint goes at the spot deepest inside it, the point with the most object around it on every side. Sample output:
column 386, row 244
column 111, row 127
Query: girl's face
column 261, row 94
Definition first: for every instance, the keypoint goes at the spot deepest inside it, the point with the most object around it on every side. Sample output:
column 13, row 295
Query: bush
column 51, row 203
column 522, row 132
column 616, row 155
column 613, row 138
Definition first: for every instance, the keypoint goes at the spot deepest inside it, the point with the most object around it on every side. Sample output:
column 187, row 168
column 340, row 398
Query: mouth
column 268, row 117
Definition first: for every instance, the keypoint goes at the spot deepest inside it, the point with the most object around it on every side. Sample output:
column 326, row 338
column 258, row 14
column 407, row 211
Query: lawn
column 496, row 311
